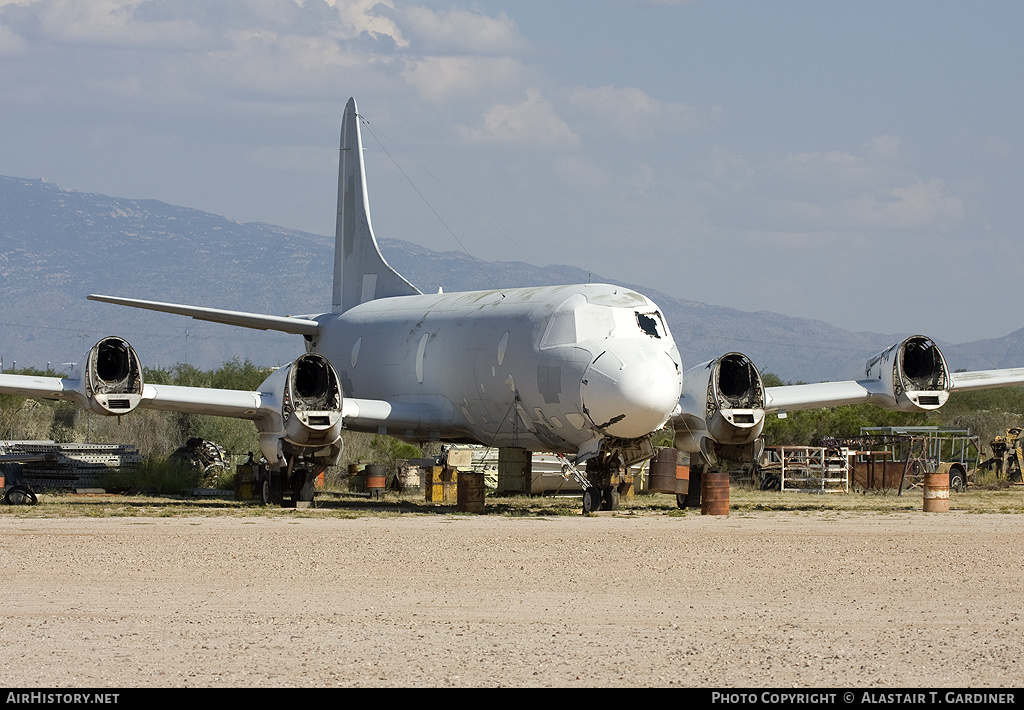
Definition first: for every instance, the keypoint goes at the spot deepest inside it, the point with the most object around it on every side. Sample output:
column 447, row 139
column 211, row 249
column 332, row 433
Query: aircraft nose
column 629, row 390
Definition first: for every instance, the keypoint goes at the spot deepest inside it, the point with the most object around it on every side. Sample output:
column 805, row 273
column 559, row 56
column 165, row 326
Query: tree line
column 987, row 413
column 158, row 434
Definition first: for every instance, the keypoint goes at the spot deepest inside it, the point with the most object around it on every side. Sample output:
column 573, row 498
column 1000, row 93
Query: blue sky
column 857, row 163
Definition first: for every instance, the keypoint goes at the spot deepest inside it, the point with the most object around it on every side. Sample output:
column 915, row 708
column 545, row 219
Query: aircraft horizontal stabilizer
column 257, row 321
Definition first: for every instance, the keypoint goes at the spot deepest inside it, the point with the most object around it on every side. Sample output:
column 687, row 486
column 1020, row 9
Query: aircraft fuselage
column 546, row 368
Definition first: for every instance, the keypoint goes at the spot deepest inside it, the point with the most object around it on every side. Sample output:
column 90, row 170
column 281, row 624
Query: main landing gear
column 602, row 484
column 603, row 498
column 288, row 489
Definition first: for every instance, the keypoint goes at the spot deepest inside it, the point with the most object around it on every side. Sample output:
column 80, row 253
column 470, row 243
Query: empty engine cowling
column 723, row 399
column 909, row 376
column 110, row 378
column 303, row 402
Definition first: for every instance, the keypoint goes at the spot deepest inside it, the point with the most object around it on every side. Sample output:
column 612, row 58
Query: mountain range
column 58, row 245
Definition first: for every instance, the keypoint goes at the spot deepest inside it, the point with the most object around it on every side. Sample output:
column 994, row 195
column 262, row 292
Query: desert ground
column 756, row 599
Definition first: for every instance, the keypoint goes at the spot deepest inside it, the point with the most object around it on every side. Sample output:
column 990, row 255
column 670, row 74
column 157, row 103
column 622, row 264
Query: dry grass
column 742, row 500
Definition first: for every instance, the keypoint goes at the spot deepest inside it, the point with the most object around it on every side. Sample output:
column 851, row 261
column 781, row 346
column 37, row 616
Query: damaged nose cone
column 628, row 391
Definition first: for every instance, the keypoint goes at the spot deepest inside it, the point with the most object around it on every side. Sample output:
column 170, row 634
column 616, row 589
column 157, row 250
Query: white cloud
column 458, row 31
column 114, row 23
column 633, row 114
column 833, row 191
column 275, row 65
column 923, row 204
column 369, row 16
column 581, row 174
column 531, row 123
column 440, row 78
column 10, row 42
column 189, row 51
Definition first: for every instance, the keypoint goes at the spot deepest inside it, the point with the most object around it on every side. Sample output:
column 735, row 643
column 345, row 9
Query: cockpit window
column 650, row 323
column 561, row 330
column 594, row 322
column 577, row 323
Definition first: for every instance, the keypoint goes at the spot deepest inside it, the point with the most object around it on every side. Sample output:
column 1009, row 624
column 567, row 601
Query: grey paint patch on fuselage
column 549, row 383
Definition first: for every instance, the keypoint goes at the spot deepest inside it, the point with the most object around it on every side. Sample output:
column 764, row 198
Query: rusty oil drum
column 714, row 493
column 936, row 492
column 470, row 492
column 667, row 475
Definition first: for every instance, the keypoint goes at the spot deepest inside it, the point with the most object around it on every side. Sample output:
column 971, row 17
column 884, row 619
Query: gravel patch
column 745, row 600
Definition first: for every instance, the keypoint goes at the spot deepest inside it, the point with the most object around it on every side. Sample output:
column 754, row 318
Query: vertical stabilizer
column 360, row 272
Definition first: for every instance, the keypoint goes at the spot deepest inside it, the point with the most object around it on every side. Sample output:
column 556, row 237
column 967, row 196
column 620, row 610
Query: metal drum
column 662, row 478
column 376, row 480
column 244, row 479
column 936, row 492
column 714, row 493
column 470, row 492
column 357, row 478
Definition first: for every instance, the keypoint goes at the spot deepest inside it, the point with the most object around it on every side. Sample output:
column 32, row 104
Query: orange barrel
column 714, row 493
column 682, row 479
column 470, row 492
column 936, row 492
column 376, row 480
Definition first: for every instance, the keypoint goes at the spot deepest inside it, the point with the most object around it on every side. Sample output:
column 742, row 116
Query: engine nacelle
column 910, row 376
column 109, row 378
column 723, row 400
column 302, row 401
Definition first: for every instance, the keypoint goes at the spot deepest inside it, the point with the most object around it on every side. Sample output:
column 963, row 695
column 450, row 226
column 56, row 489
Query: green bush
column 153, row 475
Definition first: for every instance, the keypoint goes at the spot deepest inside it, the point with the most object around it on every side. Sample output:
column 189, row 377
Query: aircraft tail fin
column 360, row 272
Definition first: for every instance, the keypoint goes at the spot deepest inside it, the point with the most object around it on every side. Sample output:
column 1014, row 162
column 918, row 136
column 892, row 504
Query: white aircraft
column 589, row 371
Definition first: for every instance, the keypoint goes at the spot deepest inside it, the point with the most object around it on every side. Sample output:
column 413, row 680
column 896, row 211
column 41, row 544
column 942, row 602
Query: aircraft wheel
column 271, row 490
column 591, row 500
column 20, row 495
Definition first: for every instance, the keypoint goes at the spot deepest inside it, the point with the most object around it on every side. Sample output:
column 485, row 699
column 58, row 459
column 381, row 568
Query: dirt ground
column 791, row 599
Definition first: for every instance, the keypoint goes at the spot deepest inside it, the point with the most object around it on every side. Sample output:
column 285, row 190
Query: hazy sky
column 854, row 162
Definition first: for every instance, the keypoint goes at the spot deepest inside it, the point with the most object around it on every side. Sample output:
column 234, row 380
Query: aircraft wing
column 237, row 404
column 192, row 400
column 817, row 396
column 987, row 379
column 394, row 417
column 835, row 394
column 37, row 387
column 370, row 415
column 258, row 321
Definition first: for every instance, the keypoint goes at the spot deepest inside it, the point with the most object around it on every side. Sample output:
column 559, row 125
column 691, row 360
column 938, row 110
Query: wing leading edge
column 835, row 394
